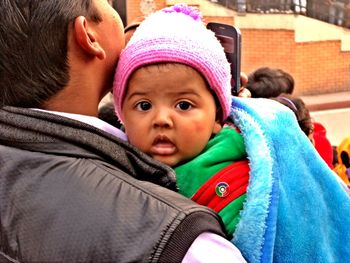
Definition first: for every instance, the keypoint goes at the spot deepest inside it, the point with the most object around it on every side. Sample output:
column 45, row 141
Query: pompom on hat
column 175, row 34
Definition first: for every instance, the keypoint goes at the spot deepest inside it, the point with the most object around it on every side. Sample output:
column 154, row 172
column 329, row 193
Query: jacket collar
column 51, row 133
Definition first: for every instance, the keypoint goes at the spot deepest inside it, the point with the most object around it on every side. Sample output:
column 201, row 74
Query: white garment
column 94, row 121
column 211, row 248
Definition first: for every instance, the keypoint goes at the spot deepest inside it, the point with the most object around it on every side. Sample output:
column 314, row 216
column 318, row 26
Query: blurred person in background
column 342, row 168
column 266, row 82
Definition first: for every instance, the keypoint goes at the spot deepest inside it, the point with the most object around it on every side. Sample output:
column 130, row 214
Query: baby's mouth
column 162, row 146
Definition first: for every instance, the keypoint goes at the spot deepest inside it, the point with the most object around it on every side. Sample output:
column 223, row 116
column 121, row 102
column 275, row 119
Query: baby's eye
column 143, row 106
column 184, row 105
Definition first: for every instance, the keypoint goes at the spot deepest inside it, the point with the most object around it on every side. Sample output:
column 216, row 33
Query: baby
column 172, row 94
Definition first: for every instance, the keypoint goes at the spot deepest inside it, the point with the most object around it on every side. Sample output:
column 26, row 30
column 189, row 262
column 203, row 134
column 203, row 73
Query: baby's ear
column 217, row 127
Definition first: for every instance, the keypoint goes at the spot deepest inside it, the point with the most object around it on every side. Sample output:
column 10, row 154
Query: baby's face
column 169, row 113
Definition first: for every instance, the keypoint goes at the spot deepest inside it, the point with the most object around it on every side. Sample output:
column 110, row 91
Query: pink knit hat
column 175, row 34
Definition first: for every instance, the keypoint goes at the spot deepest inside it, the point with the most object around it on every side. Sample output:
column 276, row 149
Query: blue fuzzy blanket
column 296, row 210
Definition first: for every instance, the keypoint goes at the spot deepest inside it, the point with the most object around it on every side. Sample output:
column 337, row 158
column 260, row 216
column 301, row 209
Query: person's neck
column 84, row 102
column 87, row 83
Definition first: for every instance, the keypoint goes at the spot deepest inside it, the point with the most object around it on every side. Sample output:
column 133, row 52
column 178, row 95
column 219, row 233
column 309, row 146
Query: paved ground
column 328, row 101
column 333, row 111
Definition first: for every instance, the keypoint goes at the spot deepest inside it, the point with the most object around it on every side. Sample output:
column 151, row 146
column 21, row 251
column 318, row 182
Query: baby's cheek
column 201, row 128
column 134, row 139
column 196, row 135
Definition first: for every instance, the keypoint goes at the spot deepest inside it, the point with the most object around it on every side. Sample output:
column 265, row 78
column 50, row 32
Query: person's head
column 172, row 85
column 44, row 45
column 130, row 29
column 267, row 82
column 169, row 112
column 301, row 112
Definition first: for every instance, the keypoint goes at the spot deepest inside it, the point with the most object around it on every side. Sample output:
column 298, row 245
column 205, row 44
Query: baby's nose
column 163, row 119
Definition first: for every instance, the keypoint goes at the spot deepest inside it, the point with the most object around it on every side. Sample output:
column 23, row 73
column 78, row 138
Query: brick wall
column 260, row 48
column 317, row 67
column 321, row 67
column 134, row 12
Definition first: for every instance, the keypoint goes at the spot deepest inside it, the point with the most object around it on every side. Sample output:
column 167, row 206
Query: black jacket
column 70, row 192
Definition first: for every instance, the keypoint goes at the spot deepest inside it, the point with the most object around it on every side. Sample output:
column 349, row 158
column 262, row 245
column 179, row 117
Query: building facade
column 315, row 53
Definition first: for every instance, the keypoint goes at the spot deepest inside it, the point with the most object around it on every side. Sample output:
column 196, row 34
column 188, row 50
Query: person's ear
column 86, row 39
column 217, row 127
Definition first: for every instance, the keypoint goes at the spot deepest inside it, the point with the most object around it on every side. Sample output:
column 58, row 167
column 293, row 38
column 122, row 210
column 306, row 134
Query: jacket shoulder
column 74, row 209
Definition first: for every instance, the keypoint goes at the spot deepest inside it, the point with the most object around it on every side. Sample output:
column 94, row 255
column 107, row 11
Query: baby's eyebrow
column 185, row 92
column 135, row 94
column 192, row 95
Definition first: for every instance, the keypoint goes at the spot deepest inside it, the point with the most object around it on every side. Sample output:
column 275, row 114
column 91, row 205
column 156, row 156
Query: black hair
column 345, row 158
column 300, row 110
column 107, row 113
column 267, row 82
column 33, row 48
